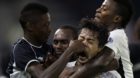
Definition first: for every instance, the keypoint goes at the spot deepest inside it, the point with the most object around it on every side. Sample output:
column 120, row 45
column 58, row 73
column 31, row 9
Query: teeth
column 82, row 59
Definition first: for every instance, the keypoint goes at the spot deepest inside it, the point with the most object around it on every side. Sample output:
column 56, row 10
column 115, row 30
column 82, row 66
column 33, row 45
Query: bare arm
column 57, row 67
column 35, row 69
column 67, row 72
column 96, row 65
column 113, row 65
column 53, row 71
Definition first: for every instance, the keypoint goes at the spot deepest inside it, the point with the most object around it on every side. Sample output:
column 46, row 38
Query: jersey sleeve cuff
column 31, row 61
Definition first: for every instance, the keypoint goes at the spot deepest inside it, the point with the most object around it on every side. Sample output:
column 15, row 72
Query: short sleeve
column 23, row 57
column 118, row 42
column 113, row 42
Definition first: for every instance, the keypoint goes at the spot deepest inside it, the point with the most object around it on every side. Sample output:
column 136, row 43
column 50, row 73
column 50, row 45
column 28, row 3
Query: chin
column 96, row 20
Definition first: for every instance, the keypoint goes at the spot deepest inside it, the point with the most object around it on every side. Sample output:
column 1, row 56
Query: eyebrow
column 104, row 6
column 60, row 39
column 93, row 37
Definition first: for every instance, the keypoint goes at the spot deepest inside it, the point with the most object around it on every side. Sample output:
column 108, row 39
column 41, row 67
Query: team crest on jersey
column 110, row 40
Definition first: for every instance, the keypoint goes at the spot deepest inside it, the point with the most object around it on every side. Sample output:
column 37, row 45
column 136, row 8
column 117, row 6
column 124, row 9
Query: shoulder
column 21, row 47
column 20, row 43
column 117, row 35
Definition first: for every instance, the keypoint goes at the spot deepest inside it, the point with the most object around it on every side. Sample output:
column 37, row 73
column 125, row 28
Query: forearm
column 104, row 58
column 96, row 65
column 57, row 67
column 113, row 65
column 103, row 61
column 86, row 72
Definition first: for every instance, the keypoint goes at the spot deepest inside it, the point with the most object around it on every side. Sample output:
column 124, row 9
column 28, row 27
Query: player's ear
column 29, row 26
column 117, row 19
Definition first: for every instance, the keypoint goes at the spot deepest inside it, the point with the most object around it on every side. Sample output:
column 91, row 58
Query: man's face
column 61, row 40
column 42, row 29
column 105, row 14
column 90, row 40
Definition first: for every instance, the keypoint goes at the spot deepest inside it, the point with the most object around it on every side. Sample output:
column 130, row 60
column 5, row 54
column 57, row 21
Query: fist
column 76, row 46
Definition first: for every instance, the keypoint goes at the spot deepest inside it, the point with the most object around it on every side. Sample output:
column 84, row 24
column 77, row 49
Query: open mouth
column 83, row 58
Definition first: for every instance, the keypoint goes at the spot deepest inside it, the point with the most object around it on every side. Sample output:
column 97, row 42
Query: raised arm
column 57, row 67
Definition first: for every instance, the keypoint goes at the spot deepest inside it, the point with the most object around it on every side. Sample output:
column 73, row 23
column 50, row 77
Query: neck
column 32, row 40
column 113, row 26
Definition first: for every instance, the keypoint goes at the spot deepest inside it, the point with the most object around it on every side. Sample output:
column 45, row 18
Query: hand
column 83, row 72
column 76, row 46
column 79, row 73
column 50, row 59
column 67, row 72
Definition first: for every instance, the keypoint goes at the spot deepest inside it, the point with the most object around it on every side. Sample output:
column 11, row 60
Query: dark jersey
column 24, row 53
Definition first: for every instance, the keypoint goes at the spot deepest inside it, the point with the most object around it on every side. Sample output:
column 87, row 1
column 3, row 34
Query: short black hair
column 103, row 33
column 31, row 12
column 72, row 28
column 125, row 10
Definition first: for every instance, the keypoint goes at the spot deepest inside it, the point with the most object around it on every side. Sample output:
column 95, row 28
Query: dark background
column 62, row 12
